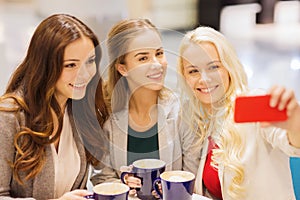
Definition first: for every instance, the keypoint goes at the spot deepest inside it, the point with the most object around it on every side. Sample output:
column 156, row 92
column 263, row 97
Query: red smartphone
column 256, row 109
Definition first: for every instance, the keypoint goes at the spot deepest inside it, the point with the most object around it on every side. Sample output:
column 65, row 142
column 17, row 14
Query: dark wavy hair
column 32, row 87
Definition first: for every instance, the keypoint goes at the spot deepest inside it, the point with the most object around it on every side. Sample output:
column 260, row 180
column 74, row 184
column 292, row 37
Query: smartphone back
column 256, row 109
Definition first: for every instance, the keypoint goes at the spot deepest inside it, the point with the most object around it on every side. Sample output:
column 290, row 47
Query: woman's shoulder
column 169, row 98
column 170, row 104
column 8, row 103
column 255, row 91
column 10, row 107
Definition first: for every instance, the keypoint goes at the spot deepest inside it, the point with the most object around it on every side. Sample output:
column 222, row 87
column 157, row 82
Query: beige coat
column 177, row 146
column 266, row 162
column 42, row 186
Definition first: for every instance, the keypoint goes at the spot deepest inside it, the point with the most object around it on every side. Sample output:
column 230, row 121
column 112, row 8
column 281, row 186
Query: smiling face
column 145, row 63
column 79, row 67
column 204, row 72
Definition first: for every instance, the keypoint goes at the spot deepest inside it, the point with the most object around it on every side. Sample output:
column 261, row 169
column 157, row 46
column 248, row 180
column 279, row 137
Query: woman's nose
column 156, row 65
column 204, row 77
column 86, row 72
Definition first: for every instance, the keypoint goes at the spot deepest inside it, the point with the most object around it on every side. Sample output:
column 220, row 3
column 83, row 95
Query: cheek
column 164, row 62
column 93, row 71
column 67, row 77
column 225, row 80
column 137, row 71
column 190, row 81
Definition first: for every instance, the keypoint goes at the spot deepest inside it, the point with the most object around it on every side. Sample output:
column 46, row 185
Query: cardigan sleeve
column 104, row 172
column 191, row 147
column 278, row 138
column 9, row 126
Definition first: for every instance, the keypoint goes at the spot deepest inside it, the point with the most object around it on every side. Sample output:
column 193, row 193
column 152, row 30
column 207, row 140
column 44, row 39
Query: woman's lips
column 207, row 89
column 78, row 85
column 156, row 75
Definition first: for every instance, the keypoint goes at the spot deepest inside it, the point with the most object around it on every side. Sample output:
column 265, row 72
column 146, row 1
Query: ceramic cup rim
column 161, row 163
column 190, row 174
column 125, row 188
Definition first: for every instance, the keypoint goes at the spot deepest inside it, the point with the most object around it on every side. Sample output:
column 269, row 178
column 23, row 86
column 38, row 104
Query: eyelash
column 208, row 69
column 160, row 53
column 91, row 61
column 213, row 67
column 193, row 71
column 146, row 58
column 143, row 58
column 71, row 65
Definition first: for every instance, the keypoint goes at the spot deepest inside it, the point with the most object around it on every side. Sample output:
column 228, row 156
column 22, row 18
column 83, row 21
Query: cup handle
column 122, row 177
column 123, row 174
column 156, row 182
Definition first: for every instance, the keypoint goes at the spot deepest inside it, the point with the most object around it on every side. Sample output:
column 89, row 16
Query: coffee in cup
column 110, row 191
column 175, row 185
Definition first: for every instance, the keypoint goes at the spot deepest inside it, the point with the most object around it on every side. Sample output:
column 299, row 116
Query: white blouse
column 66, row 160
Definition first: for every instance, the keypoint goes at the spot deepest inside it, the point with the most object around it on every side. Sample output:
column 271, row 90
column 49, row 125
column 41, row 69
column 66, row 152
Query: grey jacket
column 42, row 186
column 177, row 146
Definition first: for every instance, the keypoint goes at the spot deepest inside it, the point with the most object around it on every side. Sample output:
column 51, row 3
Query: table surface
column 195, row 197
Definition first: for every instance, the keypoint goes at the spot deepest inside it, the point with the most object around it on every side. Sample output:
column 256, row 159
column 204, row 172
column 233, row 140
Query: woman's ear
column 122, row 69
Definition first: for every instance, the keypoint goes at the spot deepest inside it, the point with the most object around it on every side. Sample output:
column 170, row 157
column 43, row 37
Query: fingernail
column 272, row 103
column 280, row 107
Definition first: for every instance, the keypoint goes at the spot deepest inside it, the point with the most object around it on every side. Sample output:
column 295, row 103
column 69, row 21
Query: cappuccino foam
column 177, row 179
column 110, row 188
column 149, row 164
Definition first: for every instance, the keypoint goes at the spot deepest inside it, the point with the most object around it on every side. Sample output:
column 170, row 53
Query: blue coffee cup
column 109, row 191
column 175, row 185
column 147, row 170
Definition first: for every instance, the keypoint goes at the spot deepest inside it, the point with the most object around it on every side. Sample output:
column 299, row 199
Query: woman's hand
column 133, row 182
column 154, row 193
column 285, row 99
column 75, row 195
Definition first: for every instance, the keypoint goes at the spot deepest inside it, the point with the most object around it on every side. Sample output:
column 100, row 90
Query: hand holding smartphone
column 257, row 109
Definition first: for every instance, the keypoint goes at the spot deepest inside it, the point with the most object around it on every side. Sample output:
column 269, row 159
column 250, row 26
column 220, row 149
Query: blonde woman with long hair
column 238, row 161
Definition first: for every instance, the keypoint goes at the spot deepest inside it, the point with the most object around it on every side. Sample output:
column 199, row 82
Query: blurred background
column 265, row 33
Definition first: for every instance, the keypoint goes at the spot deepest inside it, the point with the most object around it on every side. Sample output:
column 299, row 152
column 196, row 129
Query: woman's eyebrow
column 214, row 61
column 141, row 53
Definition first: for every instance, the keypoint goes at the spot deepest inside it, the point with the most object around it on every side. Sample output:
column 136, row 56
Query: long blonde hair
column 220, row 122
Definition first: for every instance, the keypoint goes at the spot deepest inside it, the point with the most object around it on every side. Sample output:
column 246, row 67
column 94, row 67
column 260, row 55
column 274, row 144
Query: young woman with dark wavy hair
column 52, row 113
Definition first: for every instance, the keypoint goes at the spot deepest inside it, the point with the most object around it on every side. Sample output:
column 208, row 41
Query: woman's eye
column 91, row 61
column 143, row 58
column 159, row 53
column 193, row 71
column 70, row 65
column 213, row 67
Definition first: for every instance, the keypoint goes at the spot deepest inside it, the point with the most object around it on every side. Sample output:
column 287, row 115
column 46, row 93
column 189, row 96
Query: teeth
column 207, row 90
column 79, row 85
column 155, row 75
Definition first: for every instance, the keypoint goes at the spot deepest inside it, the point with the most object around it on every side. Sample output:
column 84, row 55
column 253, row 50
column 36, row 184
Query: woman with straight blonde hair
column 238, row 161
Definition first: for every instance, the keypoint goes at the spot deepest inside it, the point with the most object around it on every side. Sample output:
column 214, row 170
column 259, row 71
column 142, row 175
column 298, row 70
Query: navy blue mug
column 175, row 185
column 147, row 170
column 109, row 191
